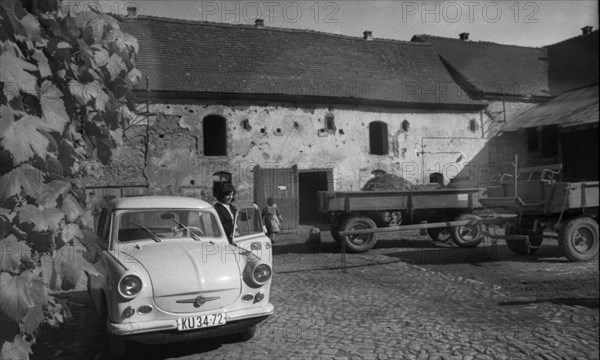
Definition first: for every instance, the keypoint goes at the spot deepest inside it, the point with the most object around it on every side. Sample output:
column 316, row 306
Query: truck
column 366, row 211
column 546, row 207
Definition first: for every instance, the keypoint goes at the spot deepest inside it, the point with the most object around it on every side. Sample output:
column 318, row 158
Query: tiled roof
column 204, row 58
column 490, row 69
column 573, row 63
column 572, row 108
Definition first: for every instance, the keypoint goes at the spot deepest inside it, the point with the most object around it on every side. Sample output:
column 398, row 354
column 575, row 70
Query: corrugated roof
column 491, row 69
column 575, row 107
column 204, row 57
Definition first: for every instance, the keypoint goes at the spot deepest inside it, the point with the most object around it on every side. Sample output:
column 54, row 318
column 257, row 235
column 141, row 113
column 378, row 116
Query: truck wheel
column 361, row 242
column 467, row 236
column 439, row 234
column 578, row 239
column 520, row 246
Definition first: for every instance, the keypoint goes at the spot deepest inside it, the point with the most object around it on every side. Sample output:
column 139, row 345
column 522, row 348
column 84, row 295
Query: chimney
column 587, row 30
column 259, row 23
column 368, row 35
column 464, row 36
column 131, row 11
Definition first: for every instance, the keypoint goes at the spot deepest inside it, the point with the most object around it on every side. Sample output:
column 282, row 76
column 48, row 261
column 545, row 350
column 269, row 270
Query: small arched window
column 436, row 178
column 330, row 122
column 378, row 173
column 219, row 179
column 378, row 138
column 215, row 135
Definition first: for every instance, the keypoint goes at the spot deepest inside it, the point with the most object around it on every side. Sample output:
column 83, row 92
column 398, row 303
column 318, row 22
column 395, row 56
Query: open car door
column 249, row 232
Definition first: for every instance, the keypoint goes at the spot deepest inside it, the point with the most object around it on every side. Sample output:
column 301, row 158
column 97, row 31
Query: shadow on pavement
column 301, row 248
column 83, row 338
column 480, row 254
column 173, row 350
column 411, row 243
column 592, row 303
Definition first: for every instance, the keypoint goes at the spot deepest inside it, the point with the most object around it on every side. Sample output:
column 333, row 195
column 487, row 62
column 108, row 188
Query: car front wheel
column 246, row 335
column 118, row 346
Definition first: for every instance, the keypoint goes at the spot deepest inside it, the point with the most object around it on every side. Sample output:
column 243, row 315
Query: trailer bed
column 349, row 201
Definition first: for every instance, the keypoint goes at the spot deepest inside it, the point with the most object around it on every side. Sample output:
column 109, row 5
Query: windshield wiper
column 192, row 234
column 153, row 235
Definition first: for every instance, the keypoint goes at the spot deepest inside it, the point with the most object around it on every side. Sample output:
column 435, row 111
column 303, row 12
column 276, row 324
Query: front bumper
column 165, row 331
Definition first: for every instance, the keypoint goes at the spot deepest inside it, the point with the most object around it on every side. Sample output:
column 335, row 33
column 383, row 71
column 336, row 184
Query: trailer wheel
column 439, row 234
column 520, row 246
column 578, row 239
column 361, row 242
column 335, row 227
column 467, row 236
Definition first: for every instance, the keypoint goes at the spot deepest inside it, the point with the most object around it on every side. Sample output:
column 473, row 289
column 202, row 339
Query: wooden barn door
column 282, row 186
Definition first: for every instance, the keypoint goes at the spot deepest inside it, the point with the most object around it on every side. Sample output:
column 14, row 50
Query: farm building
column 565, row 129
column 544, row 100
column 286, row 113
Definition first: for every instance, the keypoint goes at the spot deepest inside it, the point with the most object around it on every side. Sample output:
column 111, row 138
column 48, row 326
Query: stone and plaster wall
column 280, row 136
column 454, row 144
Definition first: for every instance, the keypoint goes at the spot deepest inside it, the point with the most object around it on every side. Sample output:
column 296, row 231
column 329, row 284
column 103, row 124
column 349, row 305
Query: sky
column 524, row 23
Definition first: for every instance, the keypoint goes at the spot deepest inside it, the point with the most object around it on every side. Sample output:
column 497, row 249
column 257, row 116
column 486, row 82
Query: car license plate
column 203, row 321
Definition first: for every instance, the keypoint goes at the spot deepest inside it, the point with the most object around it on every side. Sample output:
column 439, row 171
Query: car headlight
column 257, row 274
column 261, row 274
column 130, row 286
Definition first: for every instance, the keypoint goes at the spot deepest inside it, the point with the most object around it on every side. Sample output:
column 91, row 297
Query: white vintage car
column 168, row 273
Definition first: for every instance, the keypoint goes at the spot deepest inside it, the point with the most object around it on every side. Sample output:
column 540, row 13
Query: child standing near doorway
column 272, row 219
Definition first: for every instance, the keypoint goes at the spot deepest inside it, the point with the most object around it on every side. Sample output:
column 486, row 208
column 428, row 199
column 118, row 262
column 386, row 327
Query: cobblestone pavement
column 406, row 299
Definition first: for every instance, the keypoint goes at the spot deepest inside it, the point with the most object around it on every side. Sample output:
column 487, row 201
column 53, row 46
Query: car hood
column 181, row 272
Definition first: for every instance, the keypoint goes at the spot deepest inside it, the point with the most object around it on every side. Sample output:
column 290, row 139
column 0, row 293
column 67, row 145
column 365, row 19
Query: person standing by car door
column 225, row 209
column 272, row 219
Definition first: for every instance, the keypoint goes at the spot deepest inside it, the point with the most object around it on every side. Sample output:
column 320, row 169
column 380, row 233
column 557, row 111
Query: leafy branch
column 65, row 102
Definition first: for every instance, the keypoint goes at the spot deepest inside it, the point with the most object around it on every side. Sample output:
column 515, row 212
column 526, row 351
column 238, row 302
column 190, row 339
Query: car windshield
column 163, row 224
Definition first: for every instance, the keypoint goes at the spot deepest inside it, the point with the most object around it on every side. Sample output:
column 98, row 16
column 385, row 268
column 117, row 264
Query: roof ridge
column 581, row 36
column 267, row 28
column 478, row 42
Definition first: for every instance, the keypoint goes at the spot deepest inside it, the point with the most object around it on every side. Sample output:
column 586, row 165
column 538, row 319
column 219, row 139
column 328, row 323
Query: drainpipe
column 504, row 108
column 147, row 118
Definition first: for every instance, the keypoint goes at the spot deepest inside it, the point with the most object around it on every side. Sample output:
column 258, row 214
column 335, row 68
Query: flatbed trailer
column 541, row 205
column 356, row 216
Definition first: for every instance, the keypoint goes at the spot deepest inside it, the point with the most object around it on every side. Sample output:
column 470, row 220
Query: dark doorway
column 580, row 155
column 309, row 183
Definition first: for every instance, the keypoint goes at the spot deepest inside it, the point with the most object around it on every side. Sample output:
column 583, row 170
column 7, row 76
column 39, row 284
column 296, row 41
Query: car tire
column 359, row 243
column 520, row 246
column 578, row 239
column 246, row 335
column 467, row 236
column 118, row 346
